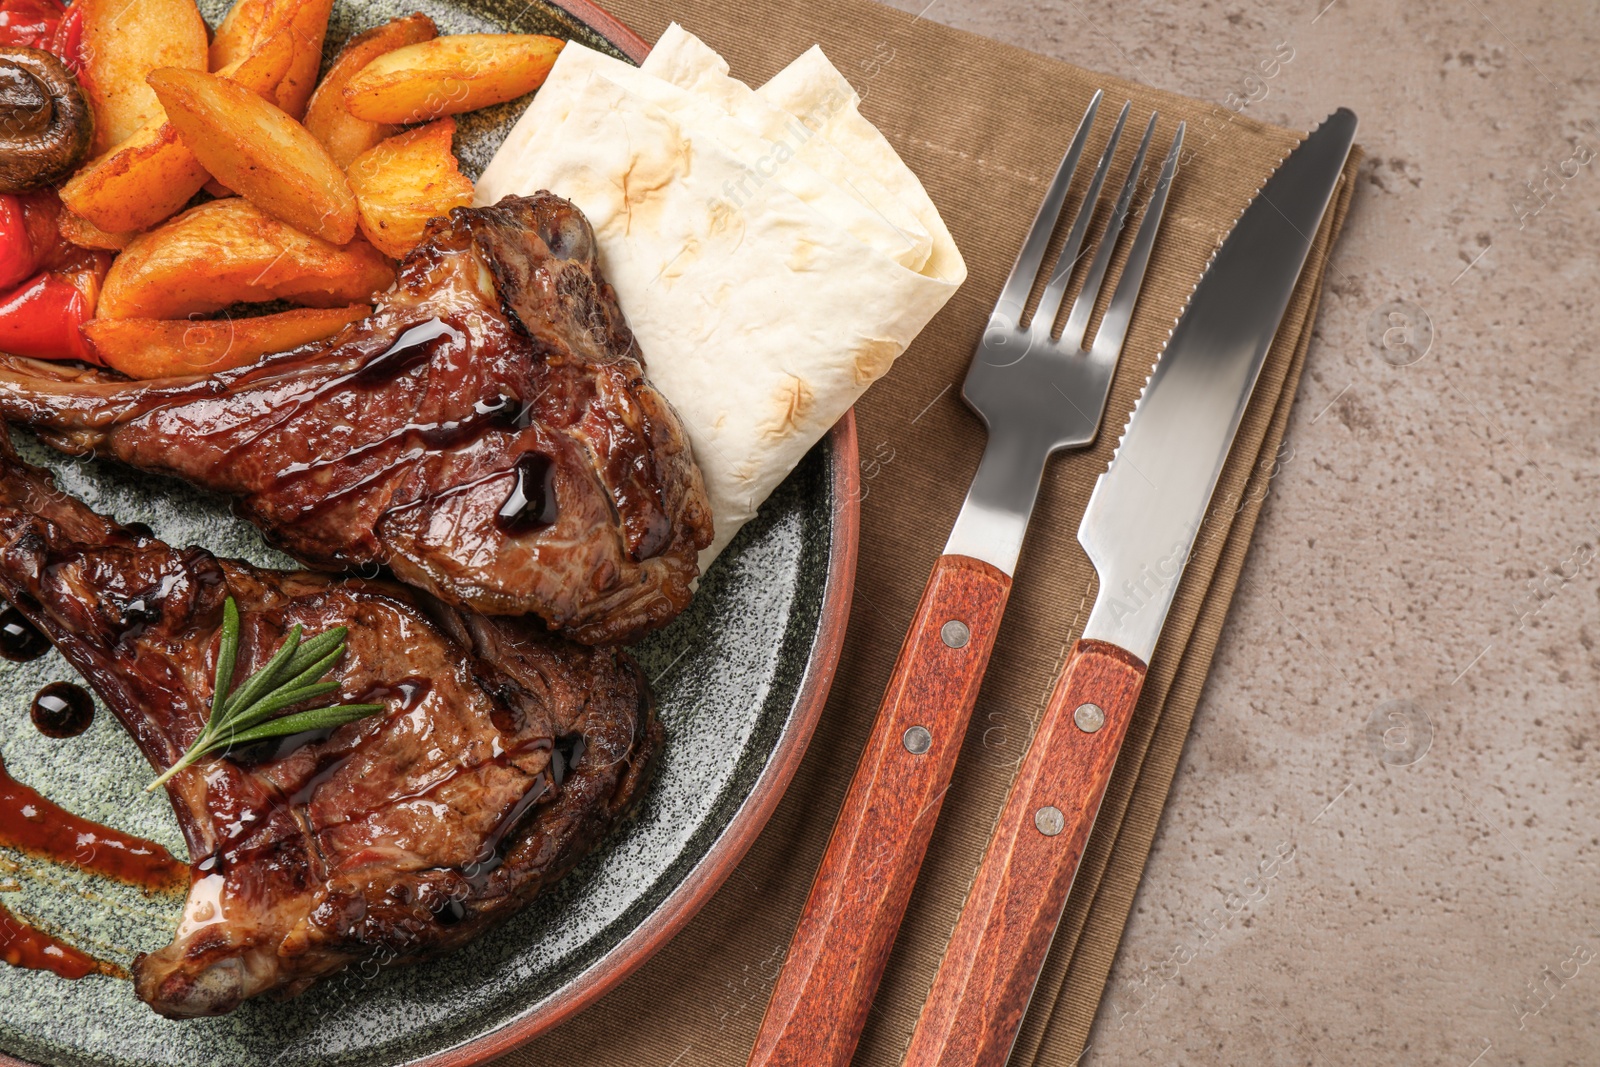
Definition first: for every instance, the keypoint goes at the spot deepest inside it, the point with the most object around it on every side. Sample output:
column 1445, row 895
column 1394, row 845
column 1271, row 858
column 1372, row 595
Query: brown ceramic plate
column 740, row 679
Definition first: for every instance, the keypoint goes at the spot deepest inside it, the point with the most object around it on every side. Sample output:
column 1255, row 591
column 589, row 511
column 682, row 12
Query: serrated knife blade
column 1139, row 530
column 1146, row 509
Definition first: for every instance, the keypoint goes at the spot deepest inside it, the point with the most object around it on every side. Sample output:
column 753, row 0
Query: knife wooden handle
column 1000, row 942
column 848, row 925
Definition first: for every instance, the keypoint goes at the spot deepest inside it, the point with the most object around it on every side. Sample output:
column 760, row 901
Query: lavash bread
column 770, row 250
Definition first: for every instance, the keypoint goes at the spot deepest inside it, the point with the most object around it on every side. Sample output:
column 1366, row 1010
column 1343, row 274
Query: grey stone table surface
column 1402, row 723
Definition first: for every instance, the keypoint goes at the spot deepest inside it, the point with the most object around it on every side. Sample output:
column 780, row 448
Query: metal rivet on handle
column 1089, row 718
column 917, row 740
column 1049, row 820
column 955, row 633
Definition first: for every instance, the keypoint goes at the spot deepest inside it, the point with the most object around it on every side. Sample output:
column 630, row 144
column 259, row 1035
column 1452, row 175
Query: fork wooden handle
column 1000, row 942
column 848, row 925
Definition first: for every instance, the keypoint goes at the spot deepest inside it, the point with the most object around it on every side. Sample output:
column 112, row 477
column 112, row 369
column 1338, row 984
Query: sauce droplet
column 531, row 504
column 20, row 640
column 450, row 912
column 568, row 750
column 501, row 407
column 62, row 710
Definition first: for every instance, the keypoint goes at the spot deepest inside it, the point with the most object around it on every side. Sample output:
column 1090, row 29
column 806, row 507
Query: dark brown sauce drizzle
column 20, row 640
column 30, row 823
column 27, row 946
column 62, row 710
column 531, row 504
column 414, row 348
column 490, row 856
column 565, row 753
column 410, row 690
column 411, row 349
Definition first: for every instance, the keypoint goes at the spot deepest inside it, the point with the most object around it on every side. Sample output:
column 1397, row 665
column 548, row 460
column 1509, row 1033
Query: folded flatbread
column 771, row 251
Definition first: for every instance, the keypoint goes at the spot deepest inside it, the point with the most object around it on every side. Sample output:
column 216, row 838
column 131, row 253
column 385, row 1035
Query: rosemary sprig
column 240, row 716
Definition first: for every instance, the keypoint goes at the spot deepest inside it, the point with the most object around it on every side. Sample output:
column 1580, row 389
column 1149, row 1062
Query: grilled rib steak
column 488, row 433
column 504, row 754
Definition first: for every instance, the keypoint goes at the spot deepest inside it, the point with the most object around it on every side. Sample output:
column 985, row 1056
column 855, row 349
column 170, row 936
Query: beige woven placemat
column 984, row 126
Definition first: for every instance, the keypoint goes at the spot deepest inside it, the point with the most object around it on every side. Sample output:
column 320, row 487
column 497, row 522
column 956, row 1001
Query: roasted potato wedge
column 149, row 177
column 236, row 33
column 259, row 152
column 248, row 22
column 124, row 40
column 341, row 133
column 405, row 181
column 76, row 229
column 156, row 348
column 450, row 75
column 263, row 69
column 307, row 21
column 231, row 252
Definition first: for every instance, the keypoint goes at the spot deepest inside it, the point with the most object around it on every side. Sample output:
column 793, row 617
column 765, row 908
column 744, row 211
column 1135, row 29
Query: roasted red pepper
column 46, row 24
column 18, row 260
column 41, row 320
column 68, row 40
column 30, row 237
column 30, row 23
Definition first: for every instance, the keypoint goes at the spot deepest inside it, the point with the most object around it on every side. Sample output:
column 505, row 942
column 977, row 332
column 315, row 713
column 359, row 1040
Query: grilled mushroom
column 45, row 121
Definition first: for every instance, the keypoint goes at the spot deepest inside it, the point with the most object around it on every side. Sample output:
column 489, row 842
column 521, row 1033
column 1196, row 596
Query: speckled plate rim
column 730, row 847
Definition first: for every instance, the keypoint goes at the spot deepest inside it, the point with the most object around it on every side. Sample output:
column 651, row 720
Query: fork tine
column 1114, row 327
column 1083, row 306
column 1014, row 297
column 1044, row 319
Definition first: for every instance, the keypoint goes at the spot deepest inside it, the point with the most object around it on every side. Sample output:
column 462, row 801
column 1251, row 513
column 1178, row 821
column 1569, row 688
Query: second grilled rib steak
column 503, row 755
column 488, row 433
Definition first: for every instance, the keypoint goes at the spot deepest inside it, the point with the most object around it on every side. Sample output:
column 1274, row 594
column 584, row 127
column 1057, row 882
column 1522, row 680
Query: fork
column 1037, row 393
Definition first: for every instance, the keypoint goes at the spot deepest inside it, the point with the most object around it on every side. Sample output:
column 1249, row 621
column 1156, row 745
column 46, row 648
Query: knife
column 1138, row 530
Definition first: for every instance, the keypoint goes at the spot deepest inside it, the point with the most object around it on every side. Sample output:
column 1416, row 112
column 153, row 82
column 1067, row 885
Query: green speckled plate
column 740, row 679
